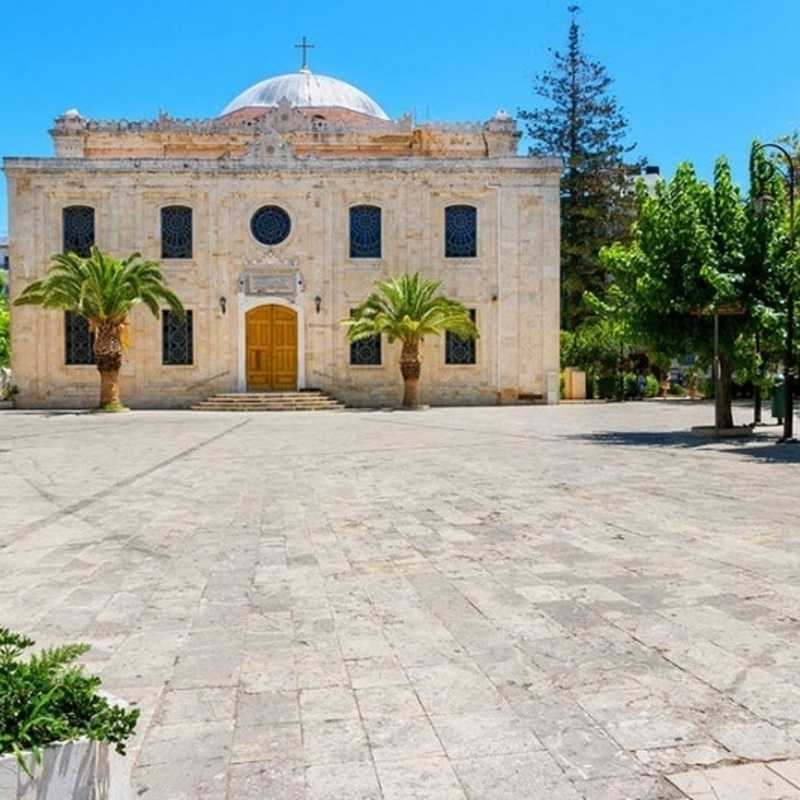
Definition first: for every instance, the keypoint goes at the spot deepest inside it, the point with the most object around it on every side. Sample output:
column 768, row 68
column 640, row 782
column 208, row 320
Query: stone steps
column 314, row 400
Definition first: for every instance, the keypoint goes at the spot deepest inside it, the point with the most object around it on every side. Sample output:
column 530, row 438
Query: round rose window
column 270, row 225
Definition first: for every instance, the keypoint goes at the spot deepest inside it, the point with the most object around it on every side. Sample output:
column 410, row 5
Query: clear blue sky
column 697, row 79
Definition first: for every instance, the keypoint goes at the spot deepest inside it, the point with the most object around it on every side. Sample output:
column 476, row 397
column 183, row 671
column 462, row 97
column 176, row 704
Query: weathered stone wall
column 512, row 284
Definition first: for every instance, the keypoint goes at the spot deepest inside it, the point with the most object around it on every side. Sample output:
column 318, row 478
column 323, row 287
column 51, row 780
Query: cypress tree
column 582, row 123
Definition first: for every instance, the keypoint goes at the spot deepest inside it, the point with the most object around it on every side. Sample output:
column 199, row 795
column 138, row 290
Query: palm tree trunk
column 410, row 366
column 108, row 354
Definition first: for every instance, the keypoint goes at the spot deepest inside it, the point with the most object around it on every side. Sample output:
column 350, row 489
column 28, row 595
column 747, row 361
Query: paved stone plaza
column 519, row 603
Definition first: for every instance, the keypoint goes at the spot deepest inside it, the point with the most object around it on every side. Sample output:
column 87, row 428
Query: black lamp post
column 788, row 416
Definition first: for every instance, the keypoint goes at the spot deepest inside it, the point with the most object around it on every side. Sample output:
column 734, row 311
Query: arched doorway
column 271, row 348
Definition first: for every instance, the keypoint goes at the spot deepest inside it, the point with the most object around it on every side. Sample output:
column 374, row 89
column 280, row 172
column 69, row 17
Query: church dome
column 306, row 90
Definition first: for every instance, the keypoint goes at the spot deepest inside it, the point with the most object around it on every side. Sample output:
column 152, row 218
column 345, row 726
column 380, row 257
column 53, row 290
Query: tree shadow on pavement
column 761, row 447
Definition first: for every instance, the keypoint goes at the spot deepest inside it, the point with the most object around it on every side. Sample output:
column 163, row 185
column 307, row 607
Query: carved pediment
column 285, row 117
column 268, row 146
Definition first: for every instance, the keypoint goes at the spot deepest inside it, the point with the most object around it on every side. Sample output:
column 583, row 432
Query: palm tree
column 409, row 308
column 103, row 290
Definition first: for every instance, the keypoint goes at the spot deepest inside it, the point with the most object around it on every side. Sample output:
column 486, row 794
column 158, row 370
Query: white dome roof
column 305, row 89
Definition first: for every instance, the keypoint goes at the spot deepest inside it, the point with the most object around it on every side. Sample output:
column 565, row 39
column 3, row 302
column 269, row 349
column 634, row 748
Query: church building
column 272, row 221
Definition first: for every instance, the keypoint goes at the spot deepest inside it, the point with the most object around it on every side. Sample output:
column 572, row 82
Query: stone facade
column 315, row 167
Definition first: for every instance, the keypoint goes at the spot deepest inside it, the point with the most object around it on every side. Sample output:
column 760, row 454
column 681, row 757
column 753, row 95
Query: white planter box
column 6, row 404
column 79, row 770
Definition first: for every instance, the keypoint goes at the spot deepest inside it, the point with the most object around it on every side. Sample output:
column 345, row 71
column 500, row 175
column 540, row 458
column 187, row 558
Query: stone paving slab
column 770, row 781
column 580, row 602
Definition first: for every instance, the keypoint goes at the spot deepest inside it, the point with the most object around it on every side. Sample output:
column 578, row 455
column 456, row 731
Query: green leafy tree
column 104, row 290
column 407, row 309
column 583, row 124
column 5, row 329
column 685, row 262
column 773, row 267
column 594, row 347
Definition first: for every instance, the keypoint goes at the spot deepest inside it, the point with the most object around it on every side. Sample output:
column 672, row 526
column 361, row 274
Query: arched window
column 177, row 338
column 365, row 232
column 176, row 232
column 457, row 350
column 78, row 340
column 270, row 225
column 365, row 352
column 460, row 232
column 77, row 230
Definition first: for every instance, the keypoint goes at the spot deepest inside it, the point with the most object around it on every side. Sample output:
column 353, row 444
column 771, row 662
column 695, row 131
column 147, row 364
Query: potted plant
column 59, row 735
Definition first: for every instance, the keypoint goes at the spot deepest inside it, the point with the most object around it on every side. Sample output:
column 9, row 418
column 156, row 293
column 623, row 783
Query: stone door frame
column 249, row 302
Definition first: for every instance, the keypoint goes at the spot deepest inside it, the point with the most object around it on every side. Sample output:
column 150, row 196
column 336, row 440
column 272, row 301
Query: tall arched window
column 78, row 340
column 365, row 352
column 77, row 230
column 177, row 339
column 457, row 350
column 460, row 232
column 365, row 232
column 176, row 232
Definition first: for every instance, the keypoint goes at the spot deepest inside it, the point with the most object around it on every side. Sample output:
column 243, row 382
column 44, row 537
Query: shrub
column 706, row 387
column 568, row 351
column 9, row 391
column 49, row 699
column 593, row 347
column 676, row 390
column 651, row 386
column 5, row 330
column 607, row 387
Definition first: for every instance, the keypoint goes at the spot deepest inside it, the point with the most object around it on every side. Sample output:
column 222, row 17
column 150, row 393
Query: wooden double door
column 271, row 333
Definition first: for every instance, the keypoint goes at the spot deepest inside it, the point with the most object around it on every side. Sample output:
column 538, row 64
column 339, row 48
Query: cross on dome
column 305, row 46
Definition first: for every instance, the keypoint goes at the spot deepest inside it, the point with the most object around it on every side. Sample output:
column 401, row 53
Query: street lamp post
column 788, row 416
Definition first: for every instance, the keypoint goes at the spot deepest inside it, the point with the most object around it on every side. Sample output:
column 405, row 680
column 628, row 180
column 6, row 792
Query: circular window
column 271, row 225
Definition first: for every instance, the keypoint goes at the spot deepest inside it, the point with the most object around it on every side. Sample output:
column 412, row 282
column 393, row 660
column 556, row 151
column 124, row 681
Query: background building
column 272, row 221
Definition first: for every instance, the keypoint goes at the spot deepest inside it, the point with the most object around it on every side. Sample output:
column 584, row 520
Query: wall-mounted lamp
column 318, row 303
column 223, row 304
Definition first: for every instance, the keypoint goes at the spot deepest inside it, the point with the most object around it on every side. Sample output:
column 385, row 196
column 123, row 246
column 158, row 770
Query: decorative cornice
column 225, row 166
column 282, row 118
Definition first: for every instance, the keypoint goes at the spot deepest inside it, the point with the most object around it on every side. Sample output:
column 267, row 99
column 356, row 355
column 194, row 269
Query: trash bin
column 778, row 397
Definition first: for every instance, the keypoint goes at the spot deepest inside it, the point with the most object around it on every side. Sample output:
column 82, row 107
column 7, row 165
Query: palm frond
column 100, row 287
column 409, row 308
